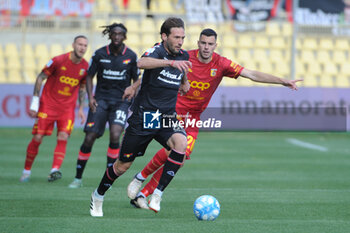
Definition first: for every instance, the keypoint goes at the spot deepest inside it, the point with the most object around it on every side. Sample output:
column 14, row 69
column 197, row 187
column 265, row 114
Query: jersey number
column 190, row 142
column 70, row 125
column 120, row 115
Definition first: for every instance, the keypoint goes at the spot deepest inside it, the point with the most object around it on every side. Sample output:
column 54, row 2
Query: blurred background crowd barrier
column 292, row 39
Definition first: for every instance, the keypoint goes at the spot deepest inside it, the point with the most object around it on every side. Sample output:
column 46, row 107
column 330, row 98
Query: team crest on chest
column 213, row 72
column 63, row 68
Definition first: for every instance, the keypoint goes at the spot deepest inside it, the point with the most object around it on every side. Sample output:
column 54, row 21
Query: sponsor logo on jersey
column 196, row 93
column 167, row 77
column 66, row 91
column 213, row 72
column 170, row 75
column 105, row 61
column 114, row 75
column 127, row 61
column 199, row 85
column 70, row 81
column 151, row 120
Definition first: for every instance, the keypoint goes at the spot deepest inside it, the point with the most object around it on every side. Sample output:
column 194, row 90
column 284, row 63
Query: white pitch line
column 306, row 145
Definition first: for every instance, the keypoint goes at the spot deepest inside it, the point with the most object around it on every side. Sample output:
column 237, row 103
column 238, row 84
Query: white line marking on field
column 306, row 145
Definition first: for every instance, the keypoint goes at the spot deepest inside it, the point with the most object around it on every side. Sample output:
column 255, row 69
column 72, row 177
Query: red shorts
column 47, row 117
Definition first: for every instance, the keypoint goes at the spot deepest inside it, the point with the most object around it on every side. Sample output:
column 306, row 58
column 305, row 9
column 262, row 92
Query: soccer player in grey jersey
column 165, row 66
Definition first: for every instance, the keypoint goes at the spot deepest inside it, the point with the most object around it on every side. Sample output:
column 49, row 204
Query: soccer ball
column 206, row 208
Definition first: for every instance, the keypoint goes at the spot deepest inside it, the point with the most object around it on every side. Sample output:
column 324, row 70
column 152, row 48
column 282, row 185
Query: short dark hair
column 208, row 32
column 171, row 22
column 79, row 36
column 108, row 28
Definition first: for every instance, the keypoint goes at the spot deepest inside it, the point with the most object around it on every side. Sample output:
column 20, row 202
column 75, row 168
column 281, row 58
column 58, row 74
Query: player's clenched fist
column 181, row 65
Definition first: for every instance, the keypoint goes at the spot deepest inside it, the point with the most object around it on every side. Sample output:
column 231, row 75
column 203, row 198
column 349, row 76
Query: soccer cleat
column 24, row 178
column 96, row 206
column 134, row 187
column 54, row 176
column 77, row 183
column 139, row 202
column 154, row 202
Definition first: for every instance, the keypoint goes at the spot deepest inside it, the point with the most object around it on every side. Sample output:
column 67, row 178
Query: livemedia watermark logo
column 157, row 120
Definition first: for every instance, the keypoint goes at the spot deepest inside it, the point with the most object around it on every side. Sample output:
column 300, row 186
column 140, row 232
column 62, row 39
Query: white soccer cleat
column 77, row 183
column 139, row 202
column 154, row 202
column 24, row 178
column 134, row 188
column 96, row 206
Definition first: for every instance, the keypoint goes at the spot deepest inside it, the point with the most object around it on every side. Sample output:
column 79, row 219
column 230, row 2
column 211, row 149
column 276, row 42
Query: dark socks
column 83, row 157
column 107, row 181
column 171, row 166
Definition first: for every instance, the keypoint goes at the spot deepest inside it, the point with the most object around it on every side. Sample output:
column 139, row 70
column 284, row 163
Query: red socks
column 153, row 183
column 156, row 162
column 32, row 151
column 59, row 154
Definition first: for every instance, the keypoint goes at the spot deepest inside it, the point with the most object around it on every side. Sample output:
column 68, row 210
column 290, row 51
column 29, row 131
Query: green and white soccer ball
column 206, row 208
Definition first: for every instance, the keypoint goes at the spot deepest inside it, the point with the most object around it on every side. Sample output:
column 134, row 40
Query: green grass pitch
column 263, row 183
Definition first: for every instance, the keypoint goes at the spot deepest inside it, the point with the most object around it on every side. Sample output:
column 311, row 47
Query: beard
column 77, row 55
column 171, row 50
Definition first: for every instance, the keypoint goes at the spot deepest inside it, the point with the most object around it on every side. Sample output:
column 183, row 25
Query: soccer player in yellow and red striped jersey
column 208, row 69
column 65, row 81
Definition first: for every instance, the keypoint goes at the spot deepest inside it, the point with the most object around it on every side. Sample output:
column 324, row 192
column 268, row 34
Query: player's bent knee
column 121, row 167
column 38, row 137
column 115, row 132
column 115, row 138
column 178, row 142
column 90, row 139
column 62, row 136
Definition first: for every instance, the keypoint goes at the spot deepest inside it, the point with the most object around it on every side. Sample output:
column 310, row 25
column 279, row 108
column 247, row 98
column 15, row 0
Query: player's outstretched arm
column 34, row 105
column 261, row 77
column 152, row 63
